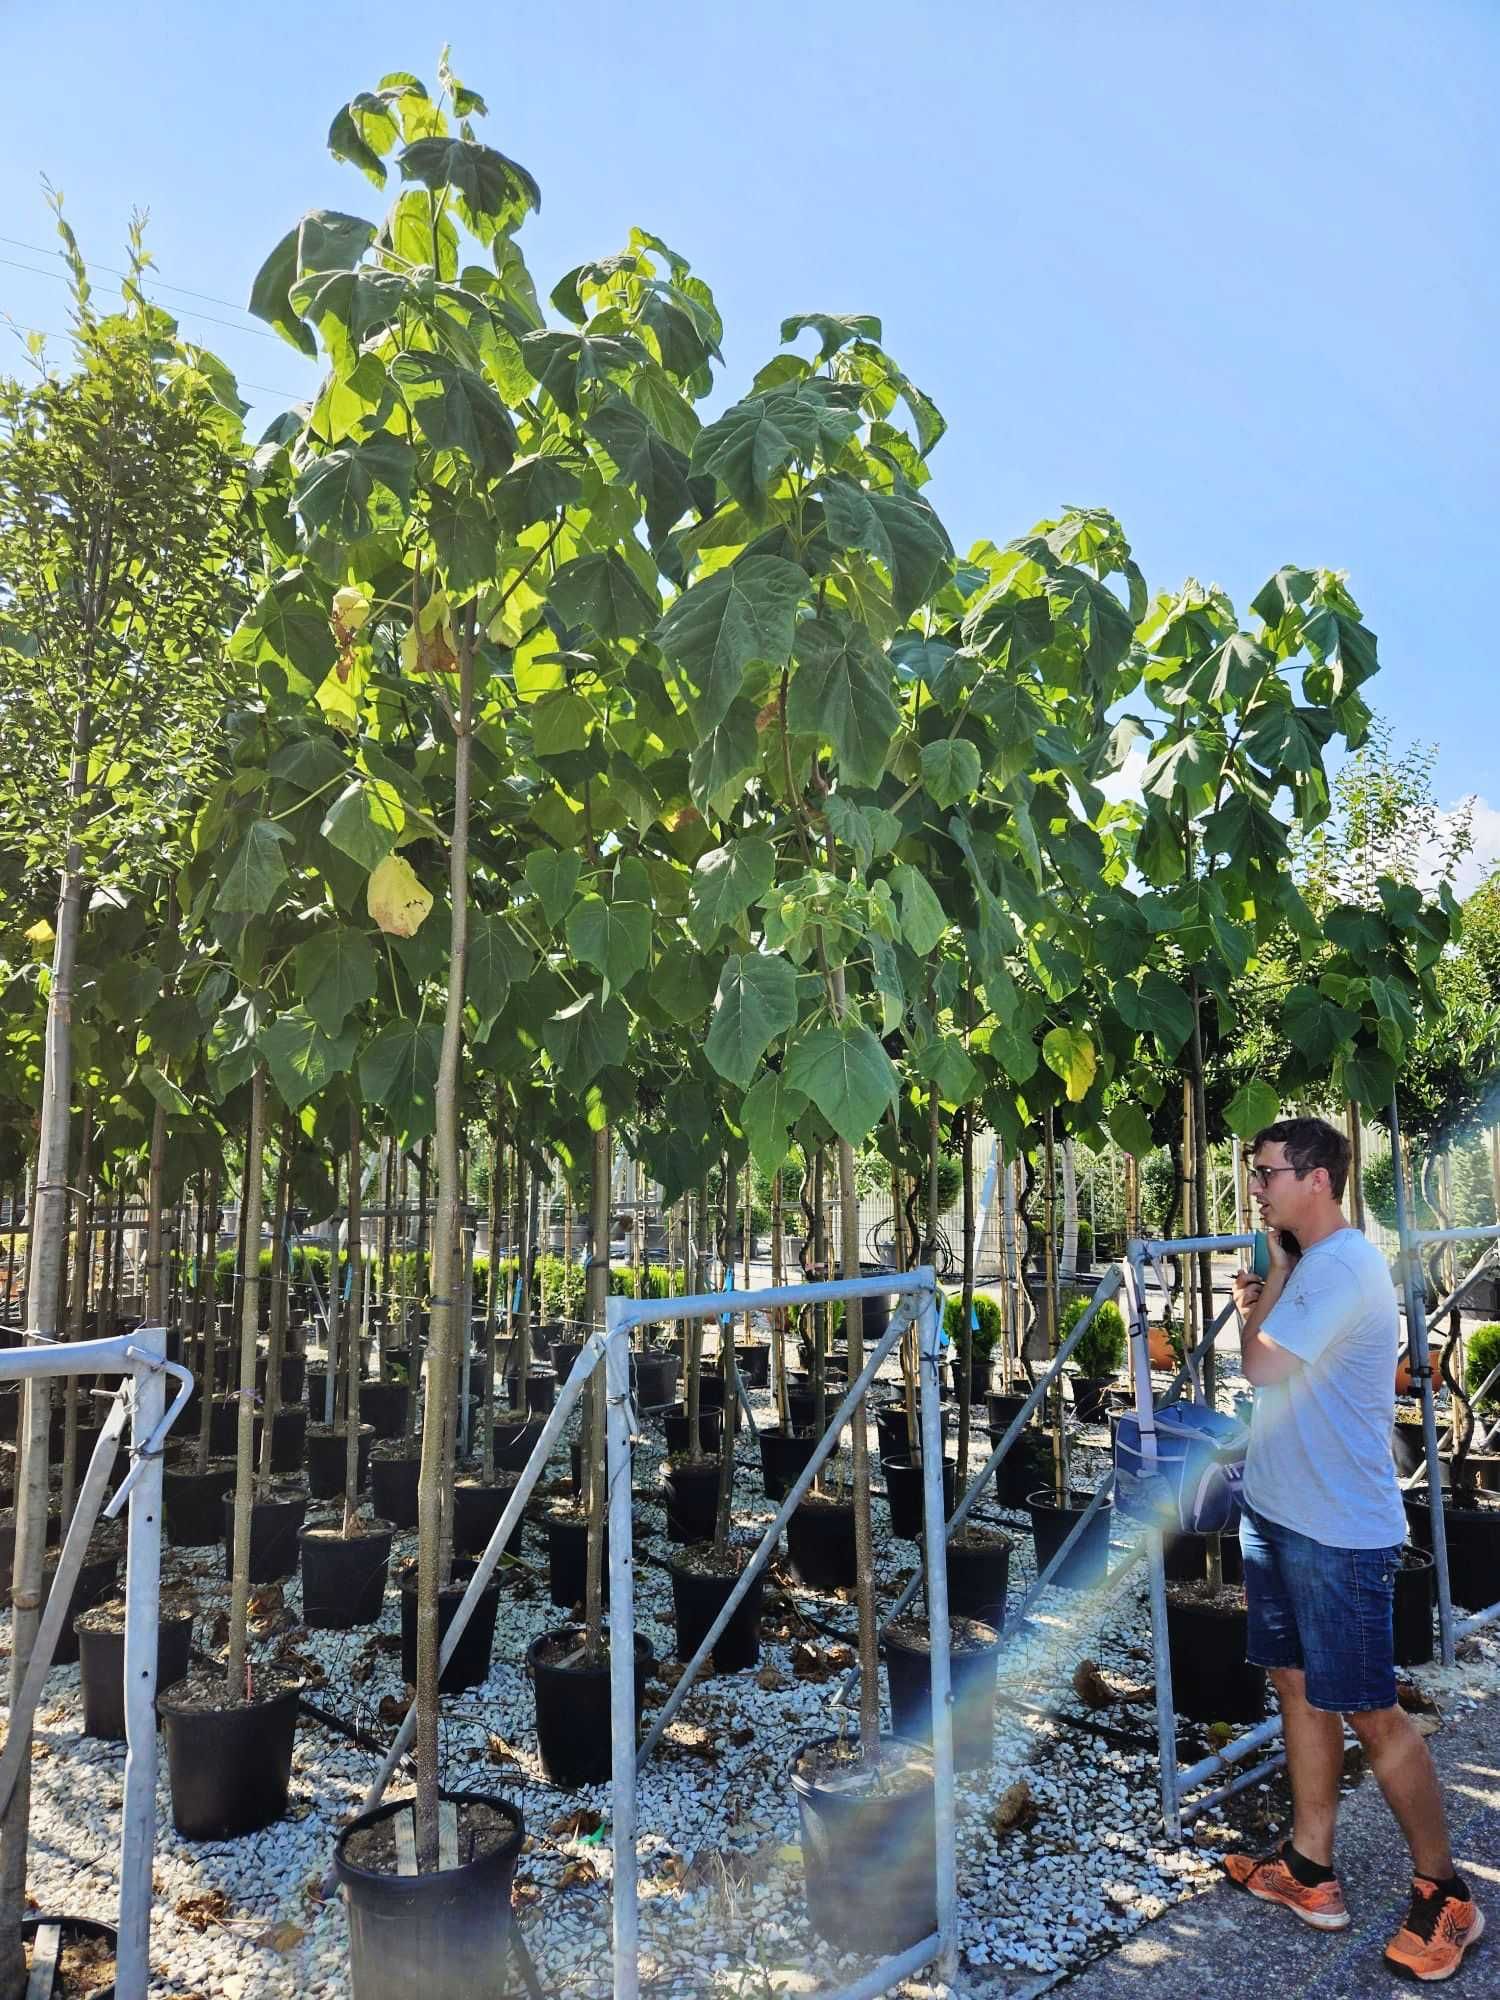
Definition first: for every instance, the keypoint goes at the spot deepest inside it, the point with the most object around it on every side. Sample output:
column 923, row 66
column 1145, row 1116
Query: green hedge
column 986, row 1334
column 1102, row 1348
column 1483, row 1350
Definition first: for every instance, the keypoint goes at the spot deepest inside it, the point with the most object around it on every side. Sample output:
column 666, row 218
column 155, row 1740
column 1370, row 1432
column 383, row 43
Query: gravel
column 1068, row 1876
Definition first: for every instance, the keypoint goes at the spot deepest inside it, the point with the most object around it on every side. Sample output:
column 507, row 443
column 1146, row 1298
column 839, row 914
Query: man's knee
column 1290, row 1683
column 1374, row 1726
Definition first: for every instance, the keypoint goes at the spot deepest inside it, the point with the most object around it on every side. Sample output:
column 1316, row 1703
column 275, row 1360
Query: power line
column 208, row 298
column 186, row 312
column 243, row 381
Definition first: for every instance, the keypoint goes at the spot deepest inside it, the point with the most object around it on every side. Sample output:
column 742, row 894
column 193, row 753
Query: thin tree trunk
column 156, row 1290
column 729, row 1369
column 694, row 1330
column 420, row 1290
column 864, row 1550
column 966, row 1301
column 778, row 1318
column 1203, row 1223
column 387, row 1224
column 1060, row 1470
column 1019, row 1322
column 356, row 1300
column 79, row 1304
column 492, row 1289
column 1069, row 1270
column 441, row 1341
column 276, row 1331
column 525, row 1198
column 251, row 1199
column 208, row 1316
column 594, row 1436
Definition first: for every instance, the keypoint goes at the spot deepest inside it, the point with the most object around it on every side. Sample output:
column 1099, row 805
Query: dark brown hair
column 1310, row 1143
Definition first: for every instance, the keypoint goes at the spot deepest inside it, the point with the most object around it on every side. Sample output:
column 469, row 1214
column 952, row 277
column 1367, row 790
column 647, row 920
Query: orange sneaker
column 1438, row 1931
column 1269, row 1878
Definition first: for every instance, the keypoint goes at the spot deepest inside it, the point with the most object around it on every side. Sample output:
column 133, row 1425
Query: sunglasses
column 1260, row 1176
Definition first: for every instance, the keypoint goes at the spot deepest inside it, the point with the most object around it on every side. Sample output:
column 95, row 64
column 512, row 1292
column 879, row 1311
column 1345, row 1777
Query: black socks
column 1308, row 1873
column 1454, row 1886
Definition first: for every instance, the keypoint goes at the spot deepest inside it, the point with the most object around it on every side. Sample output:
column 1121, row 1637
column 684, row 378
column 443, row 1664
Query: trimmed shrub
column 1483, row 1352
column 986, row 1333
column 1102, row 1347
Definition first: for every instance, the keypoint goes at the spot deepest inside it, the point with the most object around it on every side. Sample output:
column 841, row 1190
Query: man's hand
column 1247, row 1289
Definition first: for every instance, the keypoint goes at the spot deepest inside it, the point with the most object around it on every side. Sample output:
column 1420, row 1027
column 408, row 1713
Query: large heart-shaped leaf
column 604, row 593
column 257, row 871
column 399, row 1071
column 842, row 1068
column 591, row 1035
column 841, row 692
column 1070, row 1053
column 770, row 1109
column 726, row 881
column 301, row 1057
column 714, row 630
column 335, row 972
column 614, row 938
column 756, row 1002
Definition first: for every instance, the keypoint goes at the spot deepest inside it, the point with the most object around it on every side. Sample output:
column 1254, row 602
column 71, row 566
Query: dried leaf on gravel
column 1090, row 1686
column 1414, row 1700
column 282, row 1937
column 1014, row 1808
column 771, row 1678
column 212, row 1907
column 499, row 1751
column 578, row 1874
column 393, row 1708
column 574, row 1825
column 525, row 1895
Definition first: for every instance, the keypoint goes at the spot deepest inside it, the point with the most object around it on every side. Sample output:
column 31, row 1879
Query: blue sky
column 1233, row 273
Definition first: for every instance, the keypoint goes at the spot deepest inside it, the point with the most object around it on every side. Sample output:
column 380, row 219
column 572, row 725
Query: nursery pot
column 224, row 1426
column 101, row 1657
column 698, row 1596
column 753, row 1360
column 470, row 1664
column 905, row 1490
column 1408, row 1447
column 327, row 1458
column 228, row 1766
column 1090, row 1393
column 1416, row 1579
column 476, row 1515
column 655, row 1379
column 343, row 1580
column 565, row 1355
column 783, row 1454
column 978, row 1576
column 382, row 1405
column 573, row 1704
column 1024, row 1466
column 96, row 1579
column 1051, row 1525
column 1211, row 1679
column 194, row 1504
column 514, row 1443
column 442, row 1935
column 567, row 1559
column 981, row 1374
column 692, row 1496
column 974, row 1649
column 1185, row 1558
column 71, row 1931
column 393, row 1488
column 288, row 1438
column 274, row 1525
column 675, row 1425
column 870, row 1860
column 876, row 1316
column 893, row 1434
column 820, row 1542
column 710, row 1390
column 1434, row 1369
column 801, row 1406
column 1473, row 1546
column 293, row 1377
column 541, row 1390
column 1004, row 1407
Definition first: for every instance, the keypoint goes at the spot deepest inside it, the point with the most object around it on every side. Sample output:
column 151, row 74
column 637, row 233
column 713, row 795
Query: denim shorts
column 1326, row 1610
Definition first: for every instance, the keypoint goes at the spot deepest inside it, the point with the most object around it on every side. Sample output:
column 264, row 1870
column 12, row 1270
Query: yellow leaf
column 351, row 608
column 41, row 934
column 395, row 898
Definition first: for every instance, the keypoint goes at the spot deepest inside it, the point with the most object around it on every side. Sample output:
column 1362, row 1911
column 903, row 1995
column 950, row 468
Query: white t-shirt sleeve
column 1321, row 1300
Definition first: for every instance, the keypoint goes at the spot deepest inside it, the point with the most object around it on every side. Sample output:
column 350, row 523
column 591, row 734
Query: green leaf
column 1130, row 1129
column 257, row 871
column 553, row 876
column 1316, row 1026
column 604, row 593
column 591, row 1035
column 334, row 972
column 1070, row 1054
column 560, row 722
column 736, row 615
column 1253, row 1105
column 533, row 490
column 752, row 443
column 898, row 529
column 756, row 1002
column 494, row 192
column 770, row 1109
column 495, row 960
column 1157, row 1007
column 398, row 1071
column 269, row 295
column 165, row 1092
column 835, row 330
column 950, row 770
column 334, row 492
column 614, row 938
column 657, row 470
column 301, row 1057
column 565, row 363
column 843, row 1069
column 841, row 692
column 1187, row 770
column 457, row 410
column 1009, row 630
column 724, row 759
column 1368, row 1076
column 683, row 985
column 364, row 822
column 287, row 627
column 726, row 881
column 923, row 920
column 945, row 1062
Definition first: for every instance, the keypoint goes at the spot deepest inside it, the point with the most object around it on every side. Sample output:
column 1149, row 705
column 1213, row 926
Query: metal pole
column 142, row 1614
column 891, row 1971
column 1239, row 1784
column 621, row 1655
column 1060, row 1556
column 929, row 1328
column 1156, row 1570
column 1192, row 1775
column 1416, row 1341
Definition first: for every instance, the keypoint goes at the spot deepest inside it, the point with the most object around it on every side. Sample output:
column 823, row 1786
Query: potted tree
column 1097, row 1358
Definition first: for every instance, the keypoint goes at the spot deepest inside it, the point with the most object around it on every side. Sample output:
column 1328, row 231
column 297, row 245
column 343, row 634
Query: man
column 1321, row 1532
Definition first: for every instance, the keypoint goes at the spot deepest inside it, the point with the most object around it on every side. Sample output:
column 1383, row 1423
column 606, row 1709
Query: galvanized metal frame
column 142, row 1358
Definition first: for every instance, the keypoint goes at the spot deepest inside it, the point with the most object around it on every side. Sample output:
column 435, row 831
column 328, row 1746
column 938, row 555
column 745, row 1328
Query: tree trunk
column 356, row 1301
column 864, row 1551
column 594, row 1451
column 79, row 1302
column 1015, row 1291
column 1069, row 1269
column 251, row 1200
column 966, row 1301
column 492, row 1288
column 820, row 1315
column 208, row 1315
column 729, row 1370
column 47, row 1243
column 525, row 1199
column 445, row 1228
column 276, row 1331
column 694, row 1331
column 420, row 1291
column 1203, row 1220
column 1060, row 1470
column 778, row 1317
column 156, row 1161
column 1356, row 1166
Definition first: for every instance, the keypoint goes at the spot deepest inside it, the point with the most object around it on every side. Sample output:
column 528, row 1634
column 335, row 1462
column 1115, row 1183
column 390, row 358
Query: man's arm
column 1264, row 1360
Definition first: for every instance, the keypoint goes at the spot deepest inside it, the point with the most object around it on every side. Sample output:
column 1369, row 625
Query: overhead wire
column 242, row 381
column 186, row 312
column 208, row 298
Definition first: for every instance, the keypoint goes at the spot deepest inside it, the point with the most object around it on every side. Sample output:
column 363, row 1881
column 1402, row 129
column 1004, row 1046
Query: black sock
column 1453, row 1886
column 1308, row 1873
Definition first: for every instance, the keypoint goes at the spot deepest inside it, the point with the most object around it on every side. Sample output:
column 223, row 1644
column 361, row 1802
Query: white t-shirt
column 1319, row 1458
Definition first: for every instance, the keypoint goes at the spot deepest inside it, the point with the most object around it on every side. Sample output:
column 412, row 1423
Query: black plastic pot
column 229, row 1769
column 514, row 1443
column 710, row 1391
column 274, row 1526
column 820, row 1543
column 73, row 1930
column 655, row 1379
column 565, row 1355
column 783, row 1454
column 343, row 1581
column 101, row 1665
column 1004, row 1407
column 1473, row 1535
column 1090, row 1397
column 1051, row 1525
column 801, row 1406
column 1185, row 1558
column 567, row 1559
column 223, row 1427
column 1024, row 1467
column 327, row 1456
column 573, row 1709
column 974, row 1651
column 697, row 1600
column 194, row 1504
column 893, row 1433
column 876, row 1314
column 978, row 1578
column 288, row 1438
column 382, row 1405
column 905, row 1492
column 1408, row 1448
column 692, row 1497
column 393, row 1489
column 96, row 1579
column 541, row 1391
column 1211, row 1679
column 870, row 1864
column 753, row 1359
column 675, row 1426
column 442, row 1935
column 1416, row 1585
column 470, row 1664
column 476, row 1515
column 293, row 1377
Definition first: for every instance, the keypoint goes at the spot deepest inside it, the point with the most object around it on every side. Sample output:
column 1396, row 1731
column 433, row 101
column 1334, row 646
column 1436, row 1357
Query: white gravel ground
column 722, row 1909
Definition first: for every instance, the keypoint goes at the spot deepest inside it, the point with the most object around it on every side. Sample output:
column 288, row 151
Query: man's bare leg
column 1402, row 1763
column 1315, row 1764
